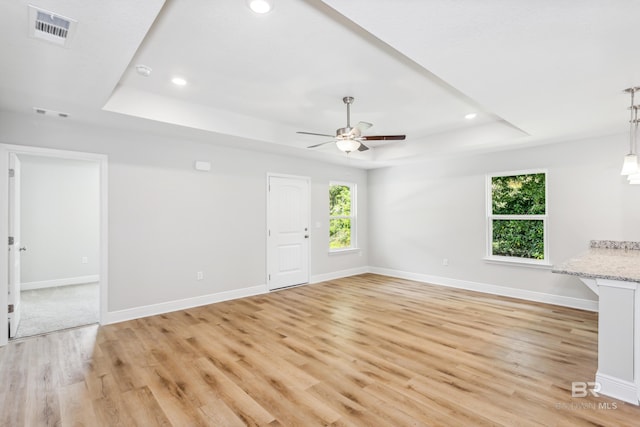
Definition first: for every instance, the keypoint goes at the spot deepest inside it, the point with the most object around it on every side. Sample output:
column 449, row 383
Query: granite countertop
column 605, row 259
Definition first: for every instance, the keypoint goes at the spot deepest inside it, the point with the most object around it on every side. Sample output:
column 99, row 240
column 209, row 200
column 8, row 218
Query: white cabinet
column 618, row 339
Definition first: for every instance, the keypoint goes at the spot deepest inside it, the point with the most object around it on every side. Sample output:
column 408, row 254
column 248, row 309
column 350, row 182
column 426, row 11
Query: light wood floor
column 362, row 351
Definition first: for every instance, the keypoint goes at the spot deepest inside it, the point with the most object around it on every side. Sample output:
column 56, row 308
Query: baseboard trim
column 339, row 274
column 619, row 389
column 29, row 286
column 183, row 304
column 166, row 307
column 524, row 294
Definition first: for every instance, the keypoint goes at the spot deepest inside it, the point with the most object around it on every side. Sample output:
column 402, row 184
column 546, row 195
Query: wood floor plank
column 110, row 408
column 76, row 408
column 179, row 407
column 144, row 408
column 42, row 404
column 219, row 414
column 367, row 350
column 233, row 395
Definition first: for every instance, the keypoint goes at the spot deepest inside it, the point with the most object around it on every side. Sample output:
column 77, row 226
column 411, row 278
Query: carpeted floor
column 53, row 309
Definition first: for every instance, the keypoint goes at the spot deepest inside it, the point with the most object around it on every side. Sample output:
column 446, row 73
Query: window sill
column 520, row 262
column 344, row 251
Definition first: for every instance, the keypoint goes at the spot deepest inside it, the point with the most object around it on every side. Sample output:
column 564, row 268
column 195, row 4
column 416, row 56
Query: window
column 342, row 216
column 517, row 220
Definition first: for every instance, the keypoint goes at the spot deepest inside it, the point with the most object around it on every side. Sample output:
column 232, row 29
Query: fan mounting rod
column 348, row 100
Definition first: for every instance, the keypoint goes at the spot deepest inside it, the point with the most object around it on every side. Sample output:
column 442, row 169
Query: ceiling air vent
column 49, row 26
column 46, row 112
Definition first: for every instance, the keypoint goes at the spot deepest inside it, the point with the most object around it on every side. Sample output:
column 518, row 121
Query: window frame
column 353, row 188
column 490, row 217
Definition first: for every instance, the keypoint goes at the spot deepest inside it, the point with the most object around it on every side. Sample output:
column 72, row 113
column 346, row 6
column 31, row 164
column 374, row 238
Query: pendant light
column 634, row 178
column 630, row 164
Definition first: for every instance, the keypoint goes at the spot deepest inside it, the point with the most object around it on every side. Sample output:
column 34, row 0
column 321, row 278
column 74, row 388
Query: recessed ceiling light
column 261, row 6
column 471, row 116
column 178, row 81
column 143, row 70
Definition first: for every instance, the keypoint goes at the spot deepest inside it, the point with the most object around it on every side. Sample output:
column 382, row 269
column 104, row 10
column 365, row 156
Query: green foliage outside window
column 518, row 238
column 339, row 233
column 339, row 216
column 518, row 195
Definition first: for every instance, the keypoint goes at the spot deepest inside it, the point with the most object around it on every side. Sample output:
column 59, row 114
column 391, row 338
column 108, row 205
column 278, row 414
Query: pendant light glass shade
column 634, row 179
column 630, row 165
column 348, row 145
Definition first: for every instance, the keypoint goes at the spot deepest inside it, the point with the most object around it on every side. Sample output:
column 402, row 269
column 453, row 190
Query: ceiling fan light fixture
column 261, row 6
column 349, row 138
column 347, row 145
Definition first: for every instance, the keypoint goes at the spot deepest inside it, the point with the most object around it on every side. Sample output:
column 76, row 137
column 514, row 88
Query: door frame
column 268, row 218
column 15, row 230
column 102, row 161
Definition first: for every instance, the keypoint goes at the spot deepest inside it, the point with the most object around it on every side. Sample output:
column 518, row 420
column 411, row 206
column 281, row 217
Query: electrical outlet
column 199, row 275
column 445, row 261
column 85, row 260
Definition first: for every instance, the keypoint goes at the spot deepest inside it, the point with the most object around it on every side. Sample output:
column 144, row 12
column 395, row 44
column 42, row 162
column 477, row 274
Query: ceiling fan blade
column 322, row 143
column 316, row 134
column 384, row 137
column 362, row 147
column 363, row 125
column 357, row 130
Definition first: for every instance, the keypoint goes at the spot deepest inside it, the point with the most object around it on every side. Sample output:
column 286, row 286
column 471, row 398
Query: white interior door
column 14, row 244
column 288, row 231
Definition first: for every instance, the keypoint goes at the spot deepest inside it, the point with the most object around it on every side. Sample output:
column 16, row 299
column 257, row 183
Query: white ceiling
column 535, row 72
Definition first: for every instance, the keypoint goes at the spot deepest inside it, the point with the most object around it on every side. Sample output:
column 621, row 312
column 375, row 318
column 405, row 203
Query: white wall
column 422, row 213
column 59, row 221
column 167, row 221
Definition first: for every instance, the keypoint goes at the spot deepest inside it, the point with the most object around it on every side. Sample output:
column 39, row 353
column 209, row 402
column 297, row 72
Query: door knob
column 24, row 248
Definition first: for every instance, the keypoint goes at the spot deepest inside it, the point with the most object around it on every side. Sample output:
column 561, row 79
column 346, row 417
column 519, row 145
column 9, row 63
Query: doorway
column 61, row 249
column 287, row 231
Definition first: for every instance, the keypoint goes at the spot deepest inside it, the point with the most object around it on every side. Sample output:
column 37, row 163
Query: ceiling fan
column 349, row 138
